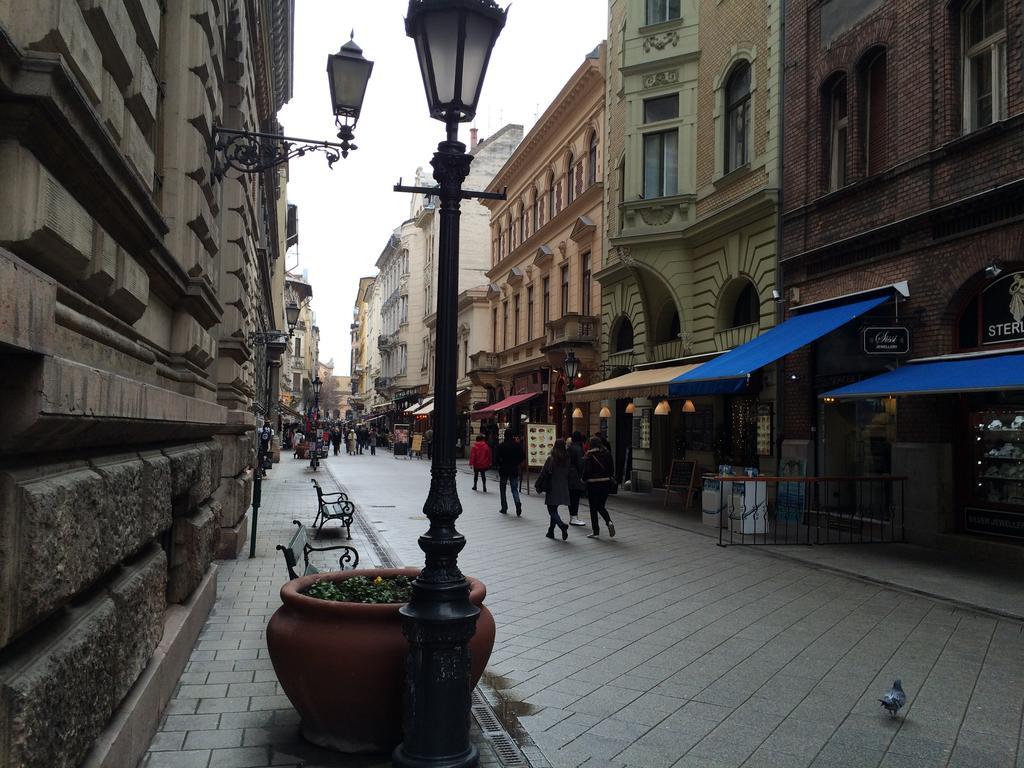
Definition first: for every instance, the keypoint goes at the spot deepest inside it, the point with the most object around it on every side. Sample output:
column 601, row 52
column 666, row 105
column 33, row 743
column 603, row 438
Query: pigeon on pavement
column 894, row 699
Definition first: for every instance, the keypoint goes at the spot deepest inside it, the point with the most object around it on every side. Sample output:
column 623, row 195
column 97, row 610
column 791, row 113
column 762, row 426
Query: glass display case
column 999, row 458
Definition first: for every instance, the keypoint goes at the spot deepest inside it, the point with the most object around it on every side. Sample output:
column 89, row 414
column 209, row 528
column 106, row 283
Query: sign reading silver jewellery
column 886, row 340
column 1002, row 310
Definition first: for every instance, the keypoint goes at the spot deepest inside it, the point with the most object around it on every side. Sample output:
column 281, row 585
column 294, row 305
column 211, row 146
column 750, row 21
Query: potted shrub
column 339, row 654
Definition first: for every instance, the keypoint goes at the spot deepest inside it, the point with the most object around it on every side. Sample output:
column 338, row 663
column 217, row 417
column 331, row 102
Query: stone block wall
column 132, row 276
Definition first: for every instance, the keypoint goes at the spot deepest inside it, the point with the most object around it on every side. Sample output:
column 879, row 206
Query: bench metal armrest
column 351, row 555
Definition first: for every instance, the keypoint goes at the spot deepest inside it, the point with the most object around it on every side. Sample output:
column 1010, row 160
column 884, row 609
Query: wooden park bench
column 333, row 506
column 299, row 546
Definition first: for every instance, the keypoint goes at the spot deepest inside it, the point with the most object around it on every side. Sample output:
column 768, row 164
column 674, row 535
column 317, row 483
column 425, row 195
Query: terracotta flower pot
column 342, row 665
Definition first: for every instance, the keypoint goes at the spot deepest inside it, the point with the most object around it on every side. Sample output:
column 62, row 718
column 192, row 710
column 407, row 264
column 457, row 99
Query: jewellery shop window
column 999, row 460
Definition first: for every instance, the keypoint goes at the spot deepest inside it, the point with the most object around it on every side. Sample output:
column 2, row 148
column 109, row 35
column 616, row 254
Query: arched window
column 984, row 63
column 592, row 160
column 874, row 110
column 667, row 326
column 522, row 222
column 622, row 341
column 737, row 117
column 535, row 207
column 838, row 118
column 551, row 196
column 570, row 187
column 747, row 309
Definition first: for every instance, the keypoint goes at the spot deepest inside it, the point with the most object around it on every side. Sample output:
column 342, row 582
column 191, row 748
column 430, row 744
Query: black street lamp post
column 454, row 39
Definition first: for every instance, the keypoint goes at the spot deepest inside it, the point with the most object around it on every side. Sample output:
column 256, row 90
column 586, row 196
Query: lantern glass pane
column 479, row 33
column 442, row 32
column 348, row 79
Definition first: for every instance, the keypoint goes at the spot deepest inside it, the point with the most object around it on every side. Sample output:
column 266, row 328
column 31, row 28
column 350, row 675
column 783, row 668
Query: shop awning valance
column 938, row 377
column 649, row 382
column 418, row 408
column 729, row 373
column 501, row 405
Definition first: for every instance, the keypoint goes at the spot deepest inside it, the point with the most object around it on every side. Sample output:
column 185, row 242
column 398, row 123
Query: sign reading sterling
column 1002, row 310
column 887, row 340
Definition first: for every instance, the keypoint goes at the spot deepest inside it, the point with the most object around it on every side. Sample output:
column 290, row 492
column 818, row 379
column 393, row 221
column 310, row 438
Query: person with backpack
column 599, row 476
column 509, row 457
column 554, row 482
column 480, row 460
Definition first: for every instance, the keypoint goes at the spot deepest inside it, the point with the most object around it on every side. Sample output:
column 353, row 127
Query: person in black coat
column 508, row 458
column 599, row 476
column 575, row 449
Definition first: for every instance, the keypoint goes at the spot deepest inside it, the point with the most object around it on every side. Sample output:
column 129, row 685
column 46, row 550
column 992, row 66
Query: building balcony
column 579, row 333
column 483, row 369
column 382, row 384
column 387, row 341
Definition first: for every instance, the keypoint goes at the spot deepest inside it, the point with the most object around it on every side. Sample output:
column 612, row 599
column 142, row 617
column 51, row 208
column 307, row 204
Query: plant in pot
column 339, row 653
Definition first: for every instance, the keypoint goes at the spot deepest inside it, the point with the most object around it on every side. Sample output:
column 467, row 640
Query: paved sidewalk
column 229, row 710
column 659, row 648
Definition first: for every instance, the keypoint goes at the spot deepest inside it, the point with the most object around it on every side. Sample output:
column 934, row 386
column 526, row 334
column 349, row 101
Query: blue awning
column 729, row 373
column 973, row 374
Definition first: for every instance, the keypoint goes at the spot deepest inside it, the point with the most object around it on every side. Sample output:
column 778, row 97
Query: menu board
column 401, row 440
column 540, row 439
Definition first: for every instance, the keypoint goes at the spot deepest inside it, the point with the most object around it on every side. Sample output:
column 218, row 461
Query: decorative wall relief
column 661, row 78
column 656, row 215
column 662, row 41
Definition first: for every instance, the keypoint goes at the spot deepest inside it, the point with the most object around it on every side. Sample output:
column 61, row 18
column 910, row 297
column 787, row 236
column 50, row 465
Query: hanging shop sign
column 1002, row 310
column 886, row 340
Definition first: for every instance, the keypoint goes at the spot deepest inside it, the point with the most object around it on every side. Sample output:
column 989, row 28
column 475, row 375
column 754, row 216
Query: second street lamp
column 454, row 39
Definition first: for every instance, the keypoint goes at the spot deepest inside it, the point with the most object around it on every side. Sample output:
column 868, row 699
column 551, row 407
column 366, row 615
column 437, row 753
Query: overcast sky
column 347, row 214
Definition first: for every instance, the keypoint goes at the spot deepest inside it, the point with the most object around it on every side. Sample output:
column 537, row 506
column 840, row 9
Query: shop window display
column 999, row 466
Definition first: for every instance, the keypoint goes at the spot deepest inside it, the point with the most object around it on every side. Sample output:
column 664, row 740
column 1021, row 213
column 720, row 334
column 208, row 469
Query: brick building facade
column 903, row 162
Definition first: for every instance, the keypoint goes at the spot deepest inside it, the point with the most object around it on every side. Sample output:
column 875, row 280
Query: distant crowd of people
column 577, row 466
column 356, row 438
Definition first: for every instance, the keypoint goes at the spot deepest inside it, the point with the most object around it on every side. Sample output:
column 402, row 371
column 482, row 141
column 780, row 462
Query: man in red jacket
column 480, row 460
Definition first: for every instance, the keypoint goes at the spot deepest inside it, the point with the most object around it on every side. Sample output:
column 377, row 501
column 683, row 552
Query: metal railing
column 805, row 510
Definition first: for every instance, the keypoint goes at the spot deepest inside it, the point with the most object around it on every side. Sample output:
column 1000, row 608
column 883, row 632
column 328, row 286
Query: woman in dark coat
column 557, row 477
column 599, row 474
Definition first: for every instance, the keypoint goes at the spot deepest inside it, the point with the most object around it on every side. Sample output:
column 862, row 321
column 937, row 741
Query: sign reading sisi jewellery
column 886, row 340
column 1002, row 310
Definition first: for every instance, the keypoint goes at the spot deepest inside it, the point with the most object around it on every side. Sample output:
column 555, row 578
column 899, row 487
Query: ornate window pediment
column 543, row 255
column 583, row 229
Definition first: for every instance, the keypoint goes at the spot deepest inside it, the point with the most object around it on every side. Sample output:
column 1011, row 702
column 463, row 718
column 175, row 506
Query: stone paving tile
column 655, row 649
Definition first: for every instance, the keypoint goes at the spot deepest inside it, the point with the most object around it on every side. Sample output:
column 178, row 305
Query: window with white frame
column 838, row 133
column 737, row 117
column 661, row 164
column 662, row 10
column 984, row 63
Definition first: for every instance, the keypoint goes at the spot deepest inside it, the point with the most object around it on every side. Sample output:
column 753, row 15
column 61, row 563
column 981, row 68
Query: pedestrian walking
column 599, row 476
column 351, row 442
column 428, row 440
column 373, row 441
column 575, row 451
column 336, row 439
column 508, row 458
column 554, row 481
column 480, row 461
column 492, row 440
column 265, row 435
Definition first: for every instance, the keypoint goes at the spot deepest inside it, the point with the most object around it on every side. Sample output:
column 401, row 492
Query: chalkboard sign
column 682, row 479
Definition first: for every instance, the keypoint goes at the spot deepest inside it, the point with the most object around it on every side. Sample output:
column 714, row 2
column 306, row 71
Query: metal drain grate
column 494, row 734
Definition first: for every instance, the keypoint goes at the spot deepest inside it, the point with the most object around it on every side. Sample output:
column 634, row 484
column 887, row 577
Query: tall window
column 522, row 223
column 661, row 164
column 570, row 185
column 515, row 319
column 501, row 244
column 585, row 288
column 592, row 160
column 737, row 117
column 547, row 300
column 984, row 65
column 494, row 329
column 875, row 112
column 551, row 197
column 511, row 234
column 504, row 324
column 298, row 347
column 661, row 150
column 838, row 133
column 622, row 180
column 529, row 313
column 662, row 10
column 536, row 210
column 565, row 289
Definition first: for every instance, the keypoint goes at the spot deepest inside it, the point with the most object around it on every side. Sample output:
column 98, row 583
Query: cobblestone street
column 657, row 648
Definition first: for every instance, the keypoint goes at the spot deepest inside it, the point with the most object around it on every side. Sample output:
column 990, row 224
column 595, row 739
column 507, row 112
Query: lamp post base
column 470, row 759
